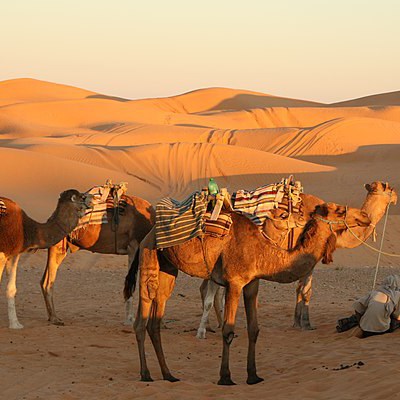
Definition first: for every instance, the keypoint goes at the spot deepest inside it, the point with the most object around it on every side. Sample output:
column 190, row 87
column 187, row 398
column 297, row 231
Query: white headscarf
column 391, row 287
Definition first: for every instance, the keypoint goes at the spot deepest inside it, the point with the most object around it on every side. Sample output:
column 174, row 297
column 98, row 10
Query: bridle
column 335, row 222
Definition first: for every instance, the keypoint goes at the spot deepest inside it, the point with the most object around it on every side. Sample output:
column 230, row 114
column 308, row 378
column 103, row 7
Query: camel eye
column 341, row 211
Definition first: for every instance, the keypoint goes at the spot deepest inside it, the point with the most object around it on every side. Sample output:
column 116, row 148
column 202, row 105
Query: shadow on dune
column 105, row 97
column 245, row 101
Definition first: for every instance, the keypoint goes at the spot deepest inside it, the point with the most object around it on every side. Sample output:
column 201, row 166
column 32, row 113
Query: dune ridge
column 54, row 137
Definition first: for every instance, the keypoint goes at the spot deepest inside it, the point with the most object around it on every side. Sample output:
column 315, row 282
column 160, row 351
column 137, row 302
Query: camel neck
column 290, row 265
column 43, row 235
column 375, row 206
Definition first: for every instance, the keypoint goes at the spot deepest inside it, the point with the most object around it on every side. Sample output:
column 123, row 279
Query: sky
column 321, row 50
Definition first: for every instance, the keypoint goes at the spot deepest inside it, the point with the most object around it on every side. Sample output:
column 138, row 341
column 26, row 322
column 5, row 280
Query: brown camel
column 134, row 225
column 19, row 233
column 379, row 196
column 237, row 262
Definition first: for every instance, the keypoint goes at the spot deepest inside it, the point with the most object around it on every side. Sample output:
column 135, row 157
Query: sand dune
column 54, row 137
column 25, row 90
column 384, row 99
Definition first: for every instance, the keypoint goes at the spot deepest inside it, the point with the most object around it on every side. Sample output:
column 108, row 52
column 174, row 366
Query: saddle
column 3, row 208
column 217, row 220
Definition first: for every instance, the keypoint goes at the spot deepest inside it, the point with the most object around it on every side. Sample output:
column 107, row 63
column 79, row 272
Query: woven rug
column 178, row 222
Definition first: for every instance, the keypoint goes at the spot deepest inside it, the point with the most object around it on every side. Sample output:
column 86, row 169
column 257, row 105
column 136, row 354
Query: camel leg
column 303, row 297
column 55, row 256
column 306, row 297
column 299, row 304
column 3, row 260
column 11, row 291
column 148, row 265
column 219, row 304
column 133, row 247
column 232, row 296
column 250, row 293
column 166, row 286
column 208, row 302
column 142, row 316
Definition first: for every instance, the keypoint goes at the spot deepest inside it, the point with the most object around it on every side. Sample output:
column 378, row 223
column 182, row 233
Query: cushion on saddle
column 255, row 204
column 219, row 227
column 178, row 222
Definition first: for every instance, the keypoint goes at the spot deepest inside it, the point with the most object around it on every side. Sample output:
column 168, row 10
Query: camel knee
column 208, row 305
column 11, row 291
column 306, row 296
column 228, row 334
column 253, row 334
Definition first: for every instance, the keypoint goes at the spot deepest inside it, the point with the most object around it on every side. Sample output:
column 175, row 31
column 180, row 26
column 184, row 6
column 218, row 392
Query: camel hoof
column 226, row 381
column 57, row 321
column 308, row 327
column 146, row 378
column 16, row 325
column 253, row 380
column 171, row 378
column 201, row 333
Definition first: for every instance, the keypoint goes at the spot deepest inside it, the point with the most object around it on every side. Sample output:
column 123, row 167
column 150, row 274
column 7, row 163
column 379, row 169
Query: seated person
column 378, row 312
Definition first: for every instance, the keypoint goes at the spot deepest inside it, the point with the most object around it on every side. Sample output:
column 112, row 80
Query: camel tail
column 130, row 279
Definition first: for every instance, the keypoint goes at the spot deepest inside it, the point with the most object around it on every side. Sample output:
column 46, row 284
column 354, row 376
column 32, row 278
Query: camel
column 212, row 294
column 136, row 221
column 236, row 261
column 379, row 196
column 19, row 233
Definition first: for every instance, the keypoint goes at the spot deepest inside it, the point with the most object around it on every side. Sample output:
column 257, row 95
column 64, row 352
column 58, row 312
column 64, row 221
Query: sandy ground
column 53, row 137
column 94, row 355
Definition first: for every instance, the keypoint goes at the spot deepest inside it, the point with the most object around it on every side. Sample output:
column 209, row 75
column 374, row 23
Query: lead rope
column 380, row 250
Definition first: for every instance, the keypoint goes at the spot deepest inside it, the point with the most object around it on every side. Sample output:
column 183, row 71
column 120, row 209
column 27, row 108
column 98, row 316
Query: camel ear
column 330, row 247
column 368, row 187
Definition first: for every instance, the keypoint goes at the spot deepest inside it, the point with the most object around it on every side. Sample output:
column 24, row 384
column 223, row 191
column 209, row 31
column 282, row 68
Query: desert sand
column 54, row 137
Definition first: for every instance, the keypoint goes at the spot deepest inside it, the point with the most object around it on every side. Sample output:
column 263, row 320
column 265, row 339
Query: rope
column 371, row 247
column 380, row 250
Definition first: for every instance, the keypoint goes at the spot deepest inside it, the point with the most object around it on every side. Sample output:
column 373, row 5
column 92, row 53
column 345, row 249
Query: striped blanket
column 177, row 222
column 255, row 204
column 3, row 208
column 102, row 200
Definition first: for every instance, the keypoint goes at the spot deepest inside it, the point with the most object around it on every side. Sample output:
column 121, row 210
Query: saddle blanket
column 102, row 200
column 3, row 208
column 255, row 204
column 178, row 222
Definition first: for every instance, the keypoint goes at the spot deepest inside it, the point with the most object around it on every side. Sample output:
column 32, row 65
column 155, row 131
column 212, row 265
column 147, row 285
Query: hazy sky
column 326, row 50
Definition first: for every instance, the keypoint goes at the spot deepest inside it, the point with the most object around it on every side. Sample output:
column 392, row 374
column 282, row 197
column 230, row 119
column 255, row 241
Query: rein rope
column 379, row 251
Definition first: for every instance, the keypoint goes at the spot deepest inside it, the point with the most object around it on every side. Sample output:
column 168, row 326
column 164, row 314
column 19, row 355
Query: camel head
column 382, row 188
column 341, row 217
column 76, row 201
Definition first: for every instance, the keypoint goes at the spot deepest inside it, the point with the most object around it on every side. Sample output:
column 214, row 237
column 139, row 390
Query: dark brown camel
column 237, row 262
column 19, row 233
column 134, row 225
column 379, row 196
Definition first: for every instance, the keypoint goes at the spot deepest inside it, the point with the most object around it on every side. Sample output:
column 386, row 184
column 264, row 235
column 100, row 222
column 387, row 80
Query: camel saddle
column 3, row 208
column 217, row 220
